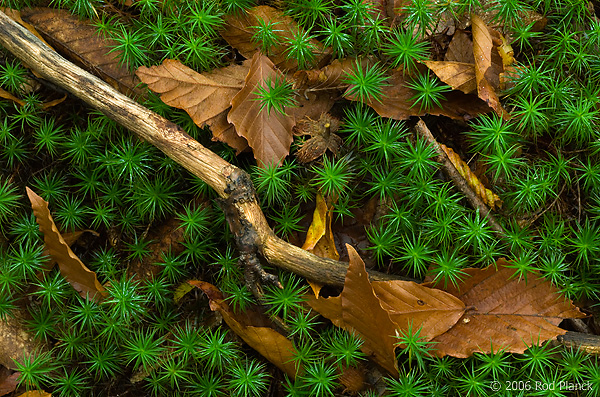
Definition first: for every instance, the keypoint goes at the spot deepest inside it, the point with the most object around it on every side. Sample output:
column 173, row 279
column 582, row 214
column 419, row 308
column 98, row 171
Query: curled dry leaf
column 504, row 312
column 238, row 32
column 79, row 41
column 319, row 238
column 458, row 75
column 7, row 95
column 269, row 343
column 73, row 270
column 269, row 134
column 206, row 97
column 322, row 137
column 331, row 76
column 484, row 71
column 488, row 197
column 397, row 102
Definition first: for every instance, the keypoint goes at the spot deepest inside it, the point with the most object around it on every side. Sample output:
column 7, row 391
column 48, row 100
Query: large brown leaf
column 485, row 72
column 458, row 75
column 269, row 134
column 378, row 311
column 269, row 343
column 331, row 76
column 205, row 97
column 238, row 33
column 397, row 102
column 73, row 270
column 362, row 311
column 79, row 41
column 504, row 312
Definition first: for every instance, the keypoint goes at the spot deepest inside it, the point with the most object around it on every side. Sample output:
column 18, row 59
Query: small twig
column 536, row 217
column 458, row 180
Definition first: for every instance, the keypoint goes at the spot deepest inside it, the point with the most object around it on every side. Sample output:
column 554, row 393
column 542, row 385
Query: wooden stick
column 232, row 184
column 458, row 180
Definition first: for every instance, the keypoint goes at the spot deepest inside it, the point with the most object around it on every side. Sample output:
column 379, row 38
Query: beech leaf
column 269, row 343
column 484, row 72
column 238, row 32
column 458, row 75
column 460, row 48
column 331, row 76
column 505, row 312
column 79, row 40
column 73, row 270
column 269, row 134
column 362, row 311
column 397, row 102
column 205, row 97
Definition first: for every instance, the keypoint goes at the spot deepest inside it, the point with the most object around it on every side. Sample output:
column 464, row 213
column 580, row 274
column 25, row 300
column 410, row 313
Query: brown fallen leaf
column 319, row 238
column 378, row 311
column 79, row 41
column 460, row 48
column 269, row 134
column 7, row 95
column 505, row 312
column 397, row 103
column 331, row 76
column 73, row 270
column 223, row 131
column 269, row 343
column 206, row 97
column 362, row 312
column 458, row 75
column 484, row 71
column 8, row 381
column 322, row 137
column 488, row 197
column 238, row 32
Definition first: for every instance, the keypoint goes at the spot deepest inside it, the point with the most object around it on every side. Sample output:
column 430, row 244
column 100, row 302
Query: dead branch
column 458, row 180
column 233, row 185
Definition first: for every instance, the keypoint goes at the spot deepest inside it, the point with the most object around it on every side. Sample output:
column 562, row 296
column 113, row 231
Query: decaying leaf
column 206, row 97
column 488, row 197
column 7, row 95
column 397, row 102
column 269, row 343
column 322, row 137
column 35, row 393
column 8, row 381
column 238, row 32
column 79, row 41
column 269, row 134
column 458, row 75
column 73, row 270
column 331, row 76
column 484, row 71
column 505, row 312
column 460, row 48
column 319, row 238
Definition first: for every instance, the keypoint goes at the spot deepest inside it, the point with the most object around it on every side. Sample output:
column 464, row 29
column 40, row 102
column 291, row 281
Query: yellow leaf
column 319, row 238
